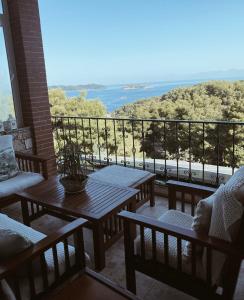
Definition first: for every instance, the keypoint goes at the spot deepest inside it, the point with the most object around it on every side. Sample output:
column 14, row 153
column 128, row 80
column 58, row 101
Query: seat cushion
column 119, row 175
column 6, row 292
column 8, row 165
column 172, row 217
column 18, row 183
column 35, row 236
column 12, row 243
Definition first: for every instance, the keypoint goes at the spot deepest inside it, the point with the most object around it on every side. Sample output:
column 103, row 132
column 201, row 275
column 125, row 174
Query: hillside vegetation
column 78, row 106
column 213, row 100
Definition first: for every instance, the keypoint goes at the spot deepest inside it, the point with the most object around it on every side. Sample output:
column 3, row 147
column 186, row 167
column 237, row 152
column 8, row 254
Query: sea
column 115, row 96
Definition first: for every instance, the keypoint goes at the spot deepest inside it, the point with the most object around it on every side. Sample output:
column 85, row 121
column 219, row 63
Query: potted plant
column 72, row 168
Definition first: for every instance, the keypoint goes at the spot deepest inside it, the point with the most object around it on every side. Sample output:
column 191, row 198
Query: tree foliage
column 78, row 106
column 213, row 101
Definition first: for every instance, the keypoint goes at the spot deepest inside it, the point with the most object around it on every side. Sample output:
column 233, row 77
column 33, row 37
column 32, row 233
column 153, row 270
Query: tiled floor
column 147, row 288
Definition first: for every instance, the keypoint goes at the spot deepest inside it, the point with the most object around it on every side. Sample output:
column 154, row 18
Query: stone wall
column 22, row 139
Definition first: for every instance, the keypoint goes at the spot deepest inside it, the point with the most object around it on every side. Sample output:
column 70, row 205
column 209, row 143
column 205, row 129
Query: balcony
column 190, row 151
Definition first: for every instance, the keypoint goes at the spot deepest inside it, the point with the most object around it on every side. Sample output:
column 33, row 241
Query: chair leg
column 129, row 230
column 130, row 278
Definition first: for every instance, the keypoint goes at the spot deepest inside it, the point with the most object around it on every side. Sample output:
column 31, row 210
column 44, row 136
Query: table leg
column 152, row 198
column 99, row 247
column 25, row 212
column 172, row 197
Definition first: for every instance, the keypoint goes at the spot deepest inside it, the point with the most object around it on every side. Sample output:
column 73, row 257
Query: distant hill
column 80, row 87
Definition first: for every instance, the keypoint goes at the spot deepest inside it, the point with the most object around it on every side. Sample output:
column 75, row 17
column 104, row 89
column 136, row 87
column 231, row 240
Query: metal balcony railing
column 206, row 152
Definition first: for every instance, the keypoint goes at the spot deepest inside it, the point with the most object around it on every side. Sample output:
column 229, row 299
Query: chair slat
column 44, row 271
column 55, row 260
column 179, row 254
column 66, row 255
column 166, row 249
column 154, row 245
column 142, row 242
column 193, row 259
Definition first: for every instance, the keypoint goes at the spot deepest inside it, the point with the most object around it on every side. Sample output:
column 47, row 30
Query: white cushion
column 119, row 175
column 201, row 221
column 202, row 218
column 18, row 183
column 172, row 217
column 36, row 236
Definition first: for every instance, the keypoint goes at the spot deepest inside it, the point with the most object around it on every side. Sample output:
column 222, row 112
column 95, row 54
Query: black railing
column 197, row 151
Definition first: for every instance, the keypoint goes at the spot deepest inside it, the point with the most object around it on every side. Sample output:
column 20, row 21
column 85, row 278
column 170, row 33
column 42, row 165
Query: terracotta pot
column 73, row 185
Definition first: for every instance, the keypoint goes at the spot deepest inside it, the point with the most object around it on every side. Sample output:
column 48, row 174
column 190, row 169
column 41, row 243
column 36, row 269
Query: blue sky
column 122, row 41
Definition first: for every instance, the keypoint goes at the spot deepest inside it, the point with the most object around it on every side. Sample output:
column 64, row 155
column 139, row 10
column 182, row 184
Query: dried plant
column 71, row 162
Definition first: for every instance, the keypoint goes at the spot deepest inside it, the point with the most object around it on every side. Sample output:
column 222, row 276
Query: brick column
column 30, row 65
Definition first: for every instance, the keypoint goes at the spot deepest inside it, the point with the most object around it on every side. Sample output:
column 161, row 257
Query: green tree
column 78, row 106
column 214, row 100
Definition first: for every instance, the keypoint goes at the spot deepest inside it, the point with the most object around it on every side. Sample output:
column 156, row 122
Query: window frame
column 4, row 23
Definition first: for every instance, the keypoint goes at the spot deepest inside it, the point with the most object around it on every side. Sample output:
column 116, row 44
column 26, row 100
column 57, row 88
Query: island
column 80, row 87
column 134, row 86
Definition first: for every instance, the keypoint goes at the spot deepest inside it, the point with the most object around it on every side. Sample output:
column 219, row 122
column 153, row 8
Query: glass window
column 7, row 112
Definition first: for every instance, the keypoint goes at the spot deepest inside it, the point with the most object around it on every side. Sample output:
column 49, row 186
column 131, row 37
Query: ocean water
column 115, row 96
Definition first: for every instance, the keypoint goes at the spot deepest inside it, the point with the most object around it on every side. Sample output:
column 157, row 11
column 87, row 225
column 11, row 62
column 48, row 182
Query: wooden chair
column 27, row 163
column 188, row 282
column 30, row 275
column 27, row 276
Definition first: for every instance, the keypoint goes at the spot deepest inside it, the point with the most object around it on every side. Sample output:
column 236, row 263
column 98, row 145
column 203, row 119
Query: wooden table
column 99, row 204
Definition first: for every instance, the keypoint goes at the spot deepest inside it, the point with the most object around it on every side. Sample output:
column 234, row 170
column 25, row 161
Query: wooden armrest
column 43, row 245
column 190, row 187
column 29, row 156
column 182, row 233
